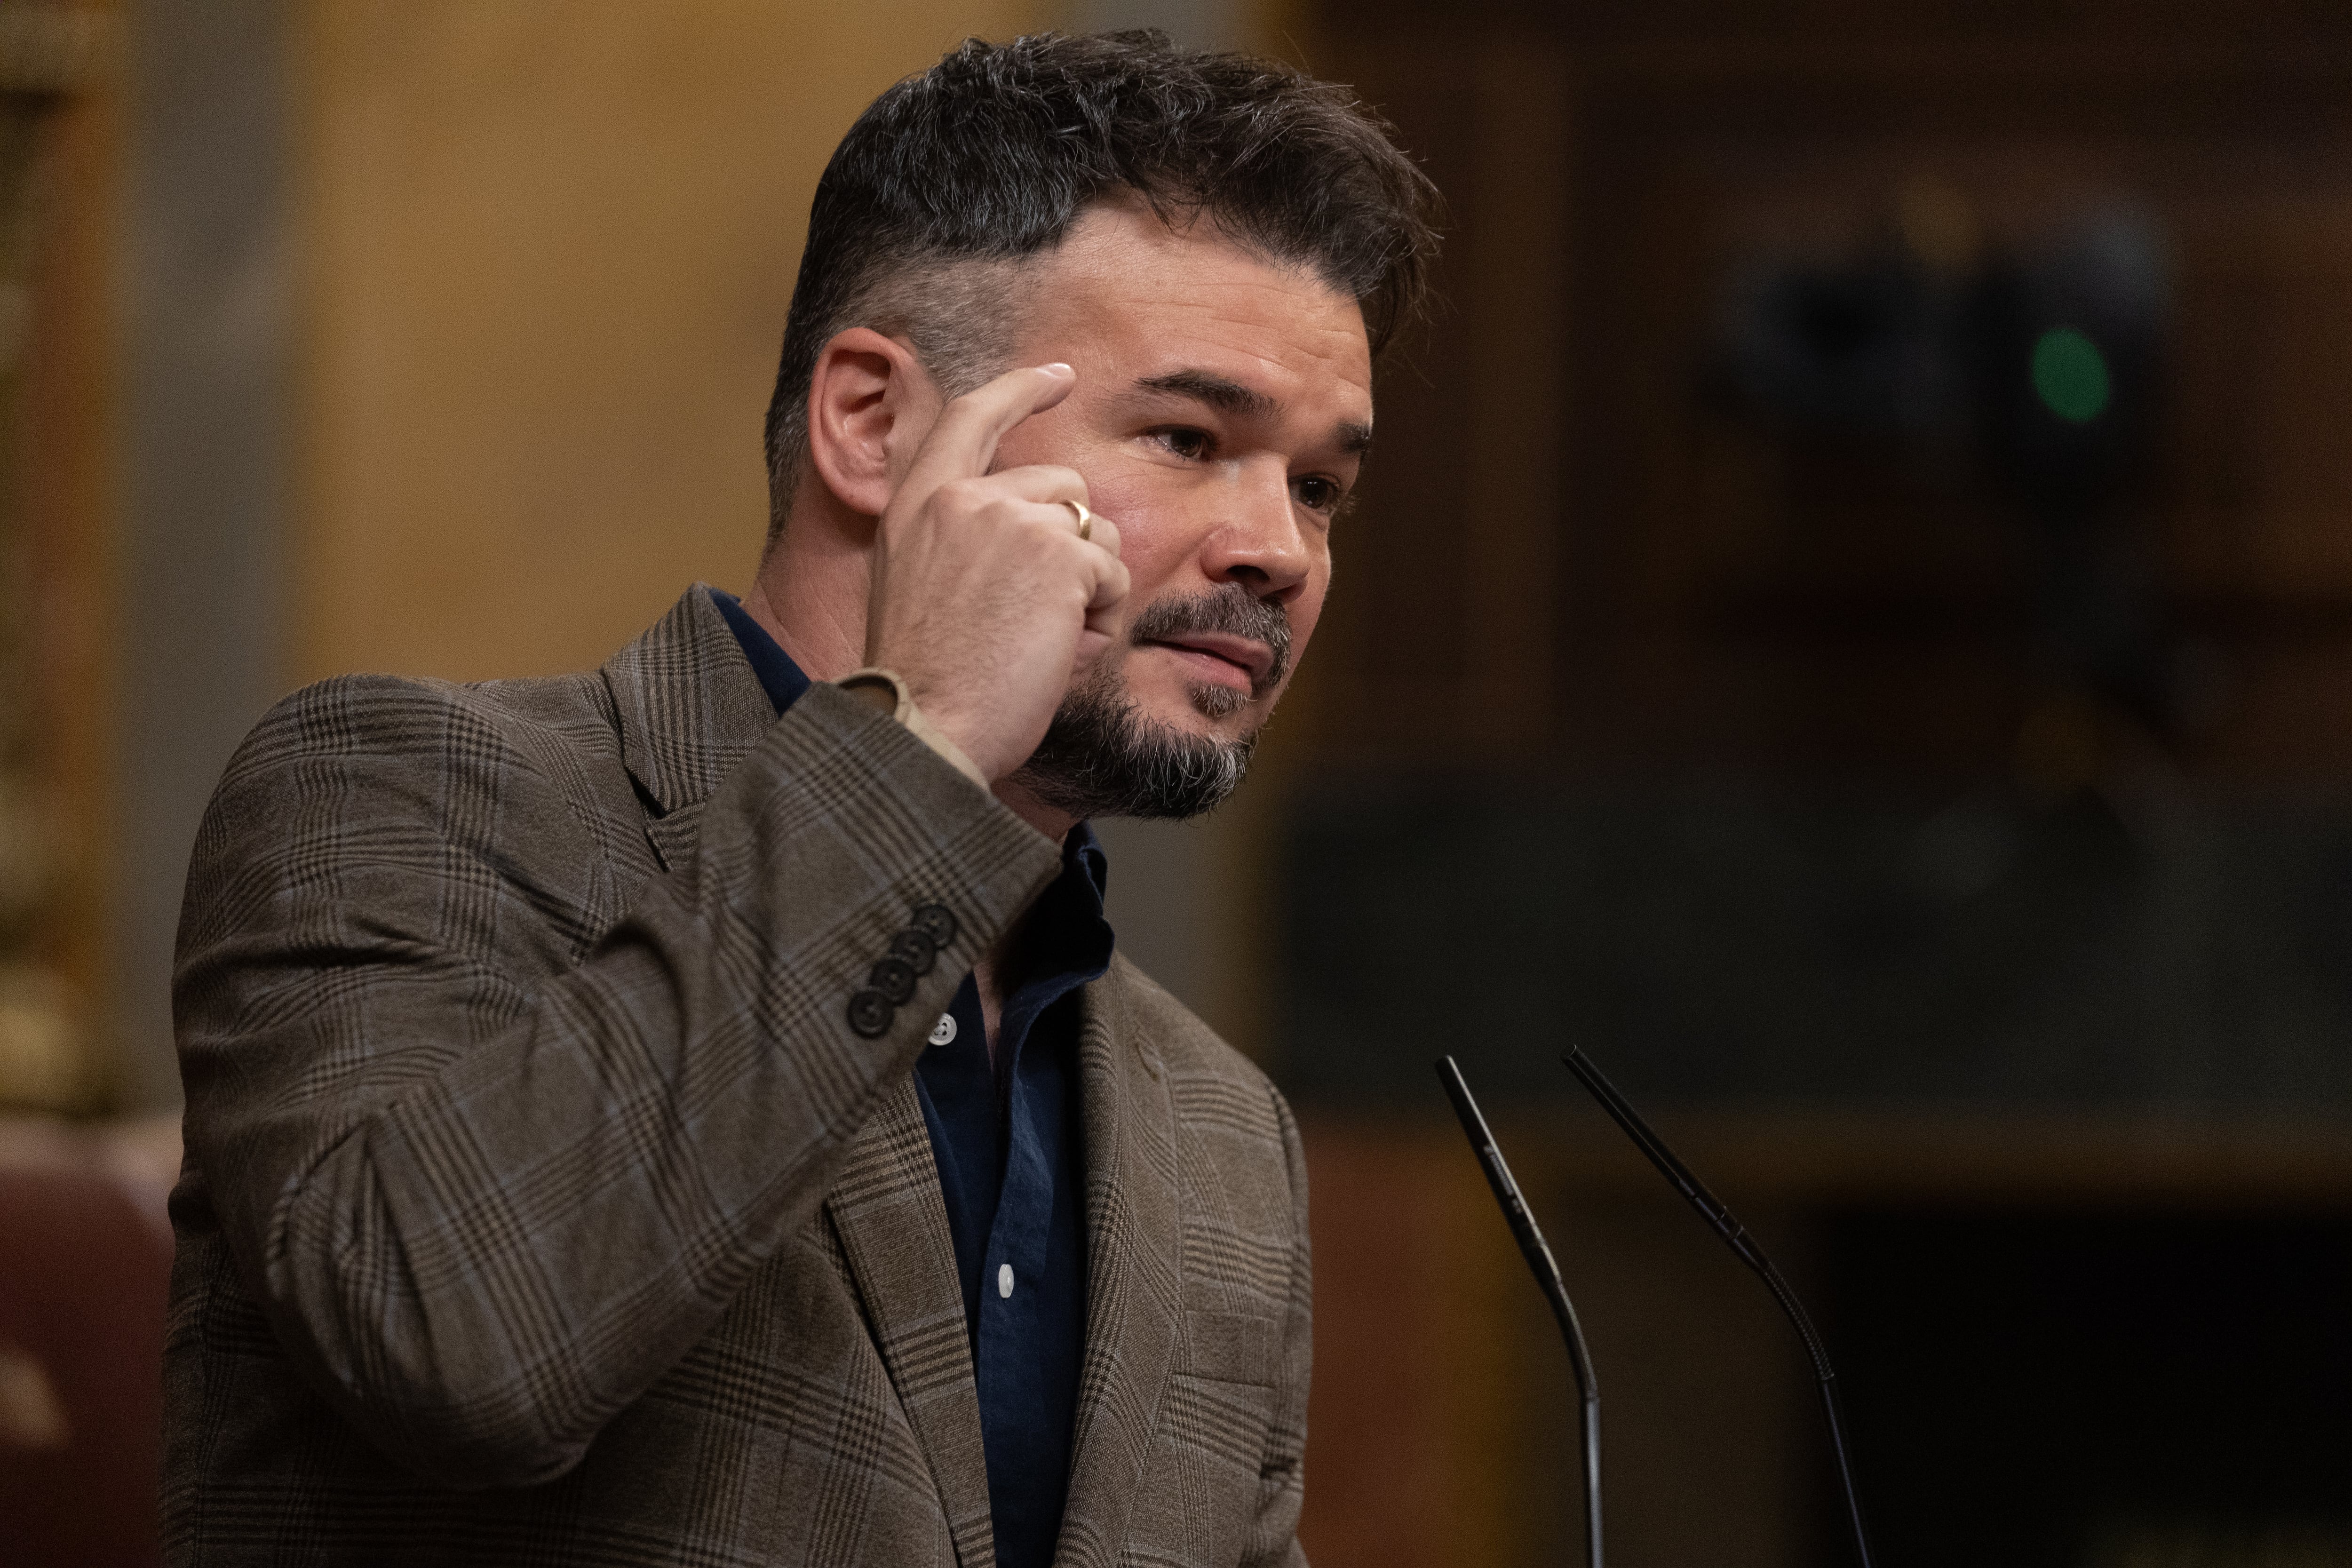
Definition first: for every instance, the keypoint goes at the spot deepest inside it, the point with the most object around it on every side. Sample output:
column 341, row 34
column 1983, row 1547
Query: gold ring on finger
column 1085, row 518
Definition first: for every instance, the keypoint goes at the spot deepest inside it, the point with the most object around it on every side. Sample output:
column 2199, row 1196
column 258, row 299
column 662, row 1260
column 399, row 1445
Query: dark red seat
column 83, row 1277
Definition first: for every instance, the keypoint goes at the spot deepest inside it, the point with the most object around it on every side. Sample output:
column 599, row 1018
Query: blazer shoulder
column 556, row 725
column 396, row 790
column 350, row 757
column 364, row 712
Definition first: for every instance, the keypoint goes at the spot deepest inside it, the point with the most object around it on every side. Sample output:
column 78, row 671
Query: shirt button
column 1004, row 1279
column 943, row 1032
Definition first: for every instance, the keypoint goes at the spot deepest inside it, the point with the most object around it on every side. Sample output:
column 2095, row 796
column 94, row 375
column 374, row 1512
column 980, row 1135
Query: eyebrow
column 1220, row 392
column 1227, row 396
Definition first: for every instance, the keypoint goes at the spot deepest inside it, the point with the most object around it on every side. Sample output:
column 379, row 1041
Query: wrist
column 885, row 690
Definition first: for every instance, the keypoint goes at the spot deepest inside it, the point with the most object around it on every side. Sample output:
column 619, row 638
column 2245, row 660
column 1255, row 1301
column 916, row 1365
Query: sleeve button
column 894, row 977
column 870, row 1012
column 915, row 949
column 936, row 922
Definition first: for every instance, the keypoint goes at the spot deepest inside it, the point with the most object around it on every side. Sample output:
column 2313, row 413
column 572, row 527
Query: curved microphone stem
column 1743, row 1245
column 1540, row 1262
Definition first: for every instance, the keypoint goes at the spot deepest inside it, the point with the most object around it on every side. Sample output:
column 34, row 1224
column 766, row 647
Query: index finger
column 962, row 444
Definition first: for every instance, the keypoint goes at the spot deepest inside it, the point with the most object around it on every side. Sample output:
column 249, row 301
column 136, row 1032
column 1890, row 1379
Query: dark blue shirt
column 1006, row 1139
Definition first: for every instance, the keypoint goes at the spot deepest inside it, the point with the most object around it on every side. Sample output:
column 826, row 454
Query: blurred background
column 1851, row 621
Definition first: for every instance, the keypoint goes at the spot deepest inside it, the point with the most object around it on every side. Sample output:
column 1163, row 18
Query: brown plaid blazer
column 541, row 1207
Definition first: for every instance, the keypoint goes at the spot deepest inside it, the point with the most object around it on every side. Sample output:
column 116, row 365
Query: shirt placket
column 1009, row 1300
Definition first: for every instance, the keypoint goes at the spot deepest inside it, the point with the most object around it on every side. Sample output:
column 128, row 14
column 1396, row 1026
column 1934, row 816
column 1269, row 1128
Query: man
column 691, row 1112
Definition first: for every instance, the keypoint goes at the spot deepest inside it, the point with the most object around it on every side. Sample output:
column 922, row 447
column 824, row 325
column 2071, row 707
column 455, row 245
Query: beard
column 1103, row 757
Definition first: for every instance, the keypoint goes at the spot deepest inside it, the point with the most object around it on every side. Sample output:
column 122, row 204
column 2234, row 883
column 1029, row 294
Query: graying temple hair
column 963, row 318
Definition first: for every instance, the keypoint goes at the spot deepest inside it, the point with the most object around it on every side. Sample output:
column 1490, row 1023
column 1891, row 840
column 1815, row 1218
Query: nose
column 1258, row 542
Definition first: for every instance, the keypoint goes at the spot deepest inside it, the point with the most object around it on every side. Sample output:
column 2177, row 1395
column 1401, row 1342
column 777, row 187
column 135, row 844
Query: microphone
column 1744, row 1247
column 1547, row 1272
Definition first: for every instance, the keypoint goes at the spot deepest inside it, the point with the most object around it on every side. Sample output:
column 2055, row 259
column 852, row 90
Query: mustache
column 1228, row 609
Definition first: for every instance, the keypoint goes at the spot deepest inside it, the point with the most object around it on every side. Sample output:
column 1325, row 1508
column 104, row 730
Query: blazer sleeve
column 1282, row 1473
column 490, row 1172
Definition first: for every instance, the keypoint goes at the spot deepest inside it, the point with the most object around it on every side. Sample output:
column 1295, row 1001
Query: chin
column 1211, row 712
column 1154, row 755
column 1211, row 709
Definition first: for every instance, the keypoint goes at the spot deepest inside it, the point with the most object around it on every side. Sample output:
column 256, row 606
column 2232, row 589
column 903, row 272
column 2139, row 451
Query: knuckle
column 963, row 494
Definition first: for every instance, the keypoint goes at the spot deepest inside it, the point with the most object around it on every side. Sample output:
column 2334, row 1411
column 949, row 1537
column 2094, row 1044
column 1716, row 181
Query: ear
column 870, row 405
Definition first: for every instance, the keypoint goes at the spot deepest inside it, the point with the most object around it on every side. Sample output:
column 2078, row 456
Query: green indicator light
column 2071, row 374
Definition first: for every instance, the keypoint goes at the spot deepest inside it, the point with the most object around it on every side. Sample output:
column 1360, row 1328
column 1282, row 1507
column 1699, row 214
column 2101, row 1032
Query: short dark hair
column 992, row 154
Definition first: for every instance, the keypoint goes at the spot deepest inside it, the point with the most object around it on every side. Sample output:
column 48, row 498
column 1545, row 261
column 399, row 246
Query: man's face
column 1221, row 411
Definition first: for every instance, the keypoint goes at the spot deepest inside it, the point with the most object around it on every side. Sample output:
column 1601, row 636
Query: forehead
column 1140, row 298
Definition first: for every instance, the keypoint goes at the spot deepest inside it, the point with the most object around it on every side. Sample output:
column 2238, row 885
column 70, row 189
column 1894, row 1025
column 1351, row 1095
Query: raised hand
column 984, row 599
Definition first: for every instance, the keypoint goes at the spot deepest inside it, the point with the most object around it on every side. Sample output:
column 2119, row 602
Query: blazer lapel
column 1133, row 1278
column 893, row 1226
column 689, row 708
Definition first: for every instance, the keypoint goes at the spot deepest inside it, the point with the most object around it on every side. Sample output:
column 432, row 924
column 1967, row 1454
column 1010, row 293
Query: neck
column 1054, row 823
column 809, row 594
column 811, row 589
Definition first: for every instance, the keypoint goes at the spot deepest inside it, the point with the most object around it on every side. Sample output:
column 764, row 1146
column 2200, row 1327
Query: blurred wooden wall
column 1578, row 554
column 546, row 254
column 60, row 119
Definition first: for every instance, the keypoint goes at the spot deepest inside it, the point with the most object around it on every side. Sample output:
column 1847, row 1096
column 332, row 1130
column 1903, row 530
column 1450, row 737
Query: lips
column 1227, row 637
column 1248, row 659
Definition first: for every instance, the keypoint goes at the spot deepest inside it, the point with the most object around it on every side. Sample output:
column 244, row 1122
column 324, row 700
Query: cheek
column 1154, row 535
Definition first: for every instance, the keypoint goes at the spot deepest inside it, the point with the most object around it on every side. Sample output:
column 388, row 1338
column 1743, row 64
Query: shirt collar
column 1083, row 852
column 782, row 678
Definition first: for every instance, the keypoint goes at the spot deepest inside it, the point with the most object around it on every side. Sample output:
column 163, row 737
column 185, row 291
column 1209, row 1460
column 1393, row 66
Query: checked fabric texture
column 542, row 1205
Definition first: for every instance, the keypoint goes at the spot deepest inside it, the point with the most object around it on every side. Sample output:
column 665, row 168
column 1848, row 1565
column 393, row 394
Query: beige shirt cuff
column 886, row 692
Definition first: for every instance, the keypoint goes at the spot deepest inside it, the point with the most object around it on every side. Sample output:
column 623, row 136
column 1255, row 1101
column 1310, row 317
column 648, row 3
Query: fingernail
column 1059, row 369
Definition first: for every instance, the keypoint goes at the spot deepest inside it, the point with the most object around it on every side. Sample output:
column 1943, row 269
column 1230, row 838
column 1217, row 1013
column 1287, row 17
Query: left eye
column 1184, row 443
column 1320, row 494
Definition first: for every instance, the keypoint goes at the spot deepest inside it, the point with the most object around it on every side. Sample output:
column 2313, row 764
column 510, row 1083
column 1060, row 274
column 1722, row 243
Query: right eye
column 1183, row 441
